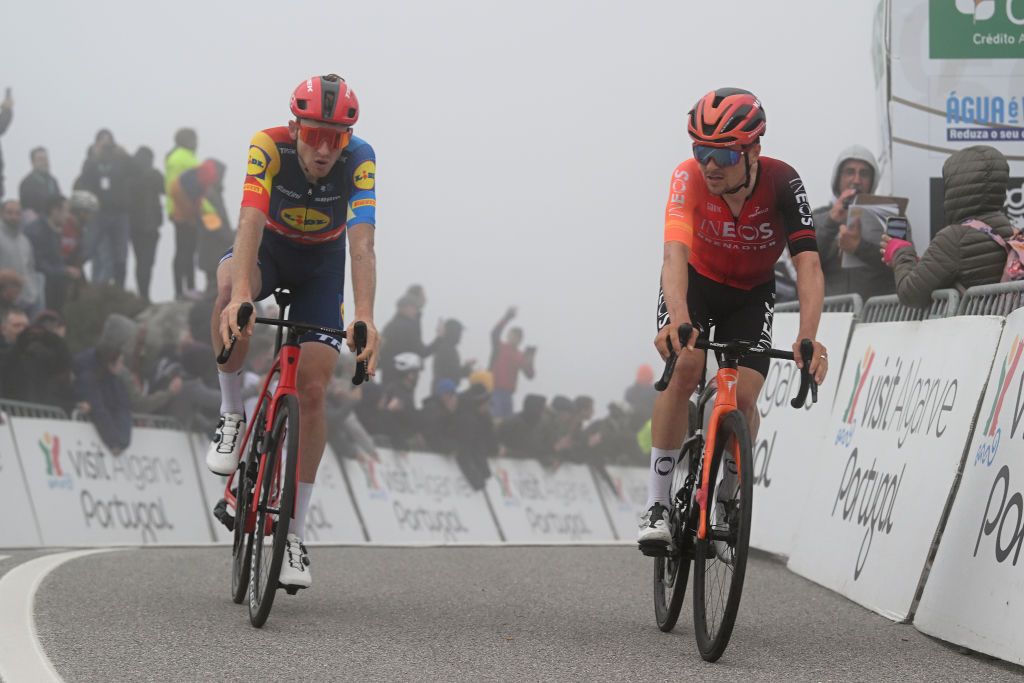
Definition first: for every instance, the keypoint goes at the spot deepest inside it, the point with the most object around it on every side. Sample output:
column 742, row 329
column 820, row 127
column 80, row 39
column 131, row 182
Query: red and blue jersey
column 305, row 212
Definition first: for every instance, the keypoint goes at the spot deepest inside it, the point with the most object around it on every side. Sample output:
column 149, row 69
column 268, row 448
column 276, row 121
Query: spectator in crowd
column 6, row 114
column 438, row 418
column 37, row 369
column 521, row 433
column 215, row 234
column 99, row 387
column 12, row 324
column 191, row 207
column 17, row 254
column 403, row 333
column 476, row 438
column 39, row 185
column 84, row 206
column 399, row 420
column 612, row 439
column 45, row 235
column 186, row 233
column 641, row 394
column 961, row 255
column 51, row 321
column 345, row 433
column 447, row 362
column 145, row 216
column 196, row 400
column 11, row 285
column 107, row 174
column 855, row 172
column 507, row 361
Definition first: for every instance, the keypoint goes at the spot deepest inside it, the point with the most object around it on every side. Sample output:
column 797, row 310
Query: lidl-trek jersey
column 305, row 212
column 740, row 251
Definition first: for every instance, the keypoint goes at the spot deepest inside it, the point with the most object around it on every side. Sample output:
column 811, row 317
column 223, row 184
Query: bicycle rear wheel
column 672, row 573
column 720, row 561
column 275, row 509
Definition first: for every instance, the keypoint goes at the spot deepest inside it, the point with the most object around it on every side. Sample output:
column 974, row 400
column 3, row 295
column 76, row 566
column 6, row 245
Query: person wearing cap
column 641, row 394
column 310, row 188
column 404, row 333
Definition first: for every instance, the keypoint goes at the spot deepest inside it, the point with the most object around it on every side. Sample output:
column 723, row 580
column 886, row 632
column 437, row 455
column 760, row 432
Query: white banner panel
column 419, row 497
column 624, row 494
column 975, row 592
column 789, row 441
column 24, row 533
column 83, row 495
column 332, row 517
column 536, row 505
column 897, row 434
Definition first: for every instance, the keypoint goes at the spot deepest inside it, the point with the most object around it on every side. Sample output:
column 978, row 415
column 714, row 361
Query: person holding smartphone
column 855, row 172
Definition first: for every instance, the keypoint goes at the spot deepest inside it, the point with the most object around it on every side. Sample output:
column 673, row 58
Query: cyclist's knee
column 312, row 392
column 684, row 380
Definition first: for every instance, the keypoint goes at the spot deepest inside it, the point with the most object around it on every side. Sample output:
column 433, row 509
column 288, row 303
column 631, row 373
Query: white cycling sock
column 298, row 525
column 230, row 392
column 659, row 486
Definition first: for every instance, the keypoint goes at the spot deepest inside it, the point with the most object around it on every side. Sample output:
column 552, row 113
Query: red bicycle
column 263, row 489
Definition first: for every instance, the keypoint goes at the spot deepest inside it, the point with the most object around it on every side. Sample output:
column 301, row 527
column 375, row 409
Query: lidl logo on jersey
column 976, row 29
column 364, row 176
column 306, row 220
column 50, row 447
column 991, row 432
column 258, row 162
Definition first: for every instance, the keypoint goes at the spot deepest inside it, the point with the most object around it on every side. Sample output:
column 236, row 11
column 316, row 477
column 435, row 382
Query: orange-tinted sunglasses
column 314, row 136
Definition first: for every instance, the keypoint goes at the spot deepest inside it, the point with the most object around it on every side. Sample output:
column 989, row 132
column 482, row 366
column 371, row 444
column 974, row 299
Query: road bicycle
column 711, row 510
column 262, row 491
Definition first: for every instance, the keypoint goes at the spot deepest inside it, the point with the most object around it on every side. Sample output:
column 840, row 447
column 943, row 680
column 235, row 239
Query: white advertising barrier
column 975, row 590
column 537, row 505
column 331, row 518
column 899, row 427
column 624, row 494
column 789, row 441
column 83, row 495
column 14, row 494
column 419, row 498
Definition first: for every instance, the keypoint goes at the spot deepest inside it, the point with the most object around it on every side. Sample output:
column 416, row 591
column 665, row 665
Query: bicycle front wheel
column 241, row 550
column 720, row 560
column 671, row 573
column 275, row 509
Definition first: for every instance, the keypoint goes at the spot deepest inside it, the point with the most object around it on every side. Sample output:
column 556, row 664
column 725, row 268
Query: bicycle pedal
column 220, row 511
column 655, row 549
column 292, row 590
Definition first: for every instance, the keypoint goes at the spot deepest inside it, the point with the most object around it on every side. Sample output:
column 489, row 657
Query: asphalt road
column 447, row 614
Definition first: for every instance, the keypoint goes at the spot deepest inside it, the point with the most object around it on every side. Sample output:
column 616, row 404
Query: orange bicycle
column 710, row 513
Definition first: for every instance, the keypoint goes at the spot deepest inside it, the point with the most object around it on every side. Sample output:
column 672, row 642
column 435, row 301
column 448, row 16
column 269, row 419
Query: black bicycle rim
column 266, row 561
column 720, row 565
column 241, row 549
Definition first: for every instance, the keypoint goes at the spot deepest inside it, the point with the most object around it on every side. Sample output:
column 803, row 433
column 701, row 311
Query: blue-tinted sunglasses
column 722, row 156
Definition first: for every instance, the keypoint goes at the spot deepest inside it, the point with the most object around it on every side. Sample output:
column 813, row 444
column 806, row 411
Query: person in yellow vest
column 186, row 234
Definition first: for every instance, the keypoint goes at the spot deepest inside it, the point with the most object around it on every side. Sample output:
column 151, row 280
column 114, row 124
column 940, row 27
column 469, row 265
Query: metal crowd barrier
column 887, row 308
column 156, row 421
column 997, row 299
column 22, row 409
column 841, row 303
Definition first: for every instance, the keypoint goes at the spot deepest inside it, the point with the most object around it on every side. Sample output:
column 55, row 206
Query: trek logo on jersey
column 306, row 220
column 258, row 161
column 365, row 174
column 802, row 205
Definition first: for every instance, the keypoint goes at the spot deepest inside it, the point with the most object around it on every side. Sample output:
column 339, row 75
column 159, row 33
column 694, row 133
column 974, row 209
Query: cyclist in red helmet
column 309, row 187
column 730, row 214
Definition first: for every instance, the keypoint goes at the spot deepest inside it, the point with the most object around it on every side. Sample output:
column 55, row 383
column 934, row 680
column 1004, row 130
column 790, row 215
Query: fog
column 523, row 148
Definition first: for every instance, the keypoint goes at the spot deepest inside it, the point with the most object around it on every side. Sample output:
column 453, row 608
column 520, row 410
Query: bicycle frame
column 725, row 402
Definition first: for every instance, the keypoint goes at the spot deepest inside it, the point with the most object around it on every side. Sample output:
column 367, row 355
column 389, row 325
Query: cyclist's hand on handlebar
column 670, row 335
column 819, row 360
column 371, row 351
column 229, row 322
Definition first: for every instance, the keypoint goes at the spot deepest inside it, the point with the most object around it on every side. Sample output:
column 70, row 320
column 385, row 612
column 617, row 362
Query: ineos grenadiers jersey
column 305, row 212
column 740, row 251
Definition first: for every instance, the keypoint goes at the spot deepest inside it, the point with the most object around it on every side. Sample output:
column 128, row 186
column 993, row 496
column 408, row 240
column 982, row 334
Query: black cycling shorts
column 736, row 314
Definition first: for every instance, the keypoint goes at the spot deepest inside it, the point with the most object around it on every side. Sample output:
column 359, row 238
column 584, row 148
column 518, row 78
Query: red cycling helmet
column 325, row 98
column 727, row 117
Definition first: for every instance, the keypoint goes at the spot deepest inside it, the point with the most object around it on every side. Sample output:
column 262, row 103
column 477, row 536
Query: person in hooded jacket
column 448, row 364
column 855, row 172
column 146, row 215
column 974, row 182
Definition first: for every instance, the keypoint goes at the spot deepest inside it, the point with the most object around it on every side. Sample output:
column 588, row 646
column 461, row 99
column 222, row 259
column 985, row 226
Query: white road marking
column 24, row 658
column 3, row 557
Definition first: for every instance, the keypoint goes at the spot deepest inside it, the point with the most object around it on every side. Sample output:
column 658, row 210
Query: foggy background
column 523, row 149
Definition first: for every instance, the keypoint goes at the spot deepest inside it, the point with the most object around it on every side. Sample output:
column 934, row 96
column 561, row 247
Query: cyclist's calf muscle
column 669, row 422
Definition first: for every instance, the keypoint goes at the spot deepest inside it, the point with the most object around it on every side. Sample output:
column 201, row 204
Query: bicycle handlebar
column 245, row 312
column 737, row 350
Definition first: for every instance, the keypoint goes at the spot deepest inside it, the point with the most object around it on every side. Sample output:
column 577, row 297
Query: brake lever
column 806, row 380
column 685, row 330
column 362, row 369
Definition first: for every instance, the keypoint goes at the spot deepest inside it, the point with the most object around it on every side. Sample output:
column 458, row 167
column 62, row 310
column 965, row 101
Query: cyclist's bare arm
column 674, row 283
column 243, row 263
column 364, row 286
column 810, row 288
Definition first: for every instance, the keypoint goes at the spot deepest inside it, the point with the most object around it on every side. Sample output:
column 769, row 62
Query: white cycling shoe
column 295, row 567
column 655, row 537
column 226, row 447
